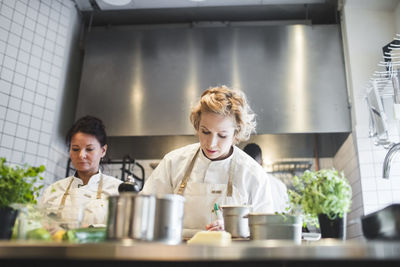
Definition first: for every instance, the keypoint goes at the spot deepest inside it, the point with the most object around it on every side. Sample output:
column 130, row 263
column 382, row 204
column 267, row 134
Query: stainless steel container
column 236, row 220
column 169, row 219
column 131, row 216
column 269, row 226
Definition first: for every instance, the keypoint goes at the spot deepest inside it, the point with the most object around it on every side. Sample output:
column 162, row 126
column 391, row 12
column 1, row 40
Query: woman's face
column 216, row 134
column 86, row 152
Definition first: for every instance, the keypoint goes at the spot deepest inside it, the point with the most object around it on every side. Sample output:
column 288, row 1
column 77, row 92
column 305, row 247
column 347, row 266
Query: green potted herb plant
column 17, row 186
column 324, row 198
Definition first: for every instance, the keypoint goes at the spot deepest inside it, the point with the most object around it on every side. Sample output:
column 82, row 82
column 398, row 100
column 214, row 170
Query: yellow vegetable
column 57, row 236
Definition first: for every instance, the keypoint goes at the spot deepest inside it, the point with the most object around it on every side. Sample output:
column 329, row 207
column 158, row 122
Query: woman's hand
column 217, row 225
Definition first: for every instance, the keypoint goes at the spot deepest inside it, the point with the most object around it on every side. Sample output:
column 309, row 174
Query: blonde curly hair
column 225, row 101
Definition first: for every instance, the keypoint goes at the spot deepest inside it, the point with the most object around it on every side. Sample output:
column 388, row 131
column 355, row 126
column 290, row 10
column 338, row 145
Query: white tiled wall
column 34, row 46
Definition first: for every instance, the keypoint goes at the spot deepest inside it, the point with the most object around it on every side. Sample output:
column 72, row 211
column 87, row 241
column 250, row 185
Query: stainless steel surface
column 236, row 221
column 237, row 251
column 147, row 78
column 394, row 149
column 168, row 223
column 131, row 216
column 267, row 226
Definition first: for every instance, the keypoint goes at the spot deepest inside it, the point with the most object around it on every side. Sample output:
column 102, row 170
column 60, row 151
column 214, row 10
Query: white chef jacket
column 81, row 198
column 279, row 194
column 249, row 180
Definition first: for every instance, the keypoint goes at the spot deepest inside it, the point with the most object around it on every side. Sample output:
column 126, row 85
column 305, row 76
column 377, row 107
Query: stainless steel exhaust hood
column 143, row 80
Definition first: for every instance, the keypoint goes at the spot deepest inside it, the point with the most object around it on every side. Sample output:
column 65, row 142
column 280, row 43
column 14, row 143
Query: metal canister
column 168, row 222
column 119, row 219
column 236, row 221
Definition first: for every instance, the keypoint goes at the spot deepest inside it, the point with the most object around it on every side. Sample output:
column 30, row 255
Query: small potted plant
column 17, row 186
column 324, row 198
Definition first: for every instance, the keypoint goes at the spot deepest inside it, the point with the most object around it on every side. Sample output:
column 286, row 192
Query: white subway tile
column 48, row 115
column 42, row 89
column 16, row 29
column 54, row 15
column 61, row 36
column 383, row 184
column 378, row 170
column 14, row 39
column 37, row 51
column 5, row 152
column 2, row 48
column 19, row 79
column 42, row 19
column 51, row 35
column 10, row 3
column 12, row 115
column 33, row 135
column 11, row 51
column 34, row 4
column 395, row 183
column 26, row 45
column 31, row 147
column 38, row 40
column 35, row 123
column 5, row 23
column 28, row 35
column 44, row 9
column 17, row 157
column 29, row 96
column 3, row 35
column 4, row 99
column 22, row 131
column 27, row 107
column 33, row 72
column 30, row 159
column 52, row 93
column 14, row 103
column 43, row 151
column 6, row 11
column 46, row 67
column 47, row 56
column 17, row 91
column 47, row 127
column 51, row 104
column 7, row 141
column 30, row 83
column 44, row 77
column 37, row 112
column 32, row 14
column 44, row 138
column 5, row 87
column 19, row 144
column 21, row 68
column 55, row 5
column 20, row 7
column 40, row 100
column 59, row 51
column 368, row 185
column 56, row 72
column 30, row 24
column 64, row 21
column 3, row 111
column 19, row 18
column 10, row 128
column 396, row 196
column 53, row 25
column 54, row 82
column 58, row 61
column 24, row 119
column 370, row 198
column 385, row 197
column 34, row 61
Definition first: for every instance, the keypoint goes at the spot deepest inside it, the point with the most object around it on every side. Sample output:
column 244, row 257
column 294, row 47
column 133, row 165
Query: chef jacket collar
column 204, row 158
column 94, row 179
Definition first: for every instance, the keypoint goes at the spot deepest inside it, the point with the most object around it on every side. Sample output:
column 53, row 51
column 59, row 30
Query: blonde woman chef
column 214, row 170
column 88, row 189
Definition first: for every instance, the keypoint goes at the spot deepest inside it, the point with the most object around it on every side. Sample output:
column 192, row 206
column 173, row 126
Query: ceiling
column 100, row 13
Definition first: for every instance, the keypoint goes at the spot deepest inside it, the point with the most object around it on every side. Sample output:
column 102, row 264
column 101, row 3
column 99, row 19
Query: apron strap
column 100, row 188
column 64, row 197
column 187, row 174
column 186, row 177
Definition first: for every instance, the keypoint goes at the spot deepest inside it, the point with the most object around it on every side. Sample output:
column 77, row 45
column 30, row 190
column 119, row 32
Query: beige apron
column 201, row 197
column 83, row 210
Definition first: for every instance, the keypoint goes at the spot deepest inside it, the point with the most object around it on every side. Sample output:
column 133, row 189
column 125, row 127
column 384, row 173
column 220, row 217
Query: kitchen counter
column 276, row 253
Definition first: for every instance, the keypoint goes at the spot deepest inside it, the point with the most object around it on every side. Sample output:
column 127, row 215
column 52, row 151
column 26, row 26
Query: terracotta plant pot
column 7, row 221
column 332, row 228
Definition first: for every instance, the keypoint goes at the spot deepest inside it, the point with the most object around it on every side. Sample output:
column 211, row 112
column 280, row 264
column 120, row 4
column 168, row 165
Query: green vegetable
column 17, row 184
column 320, row 192
column 85, row 235
column 38, row 234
